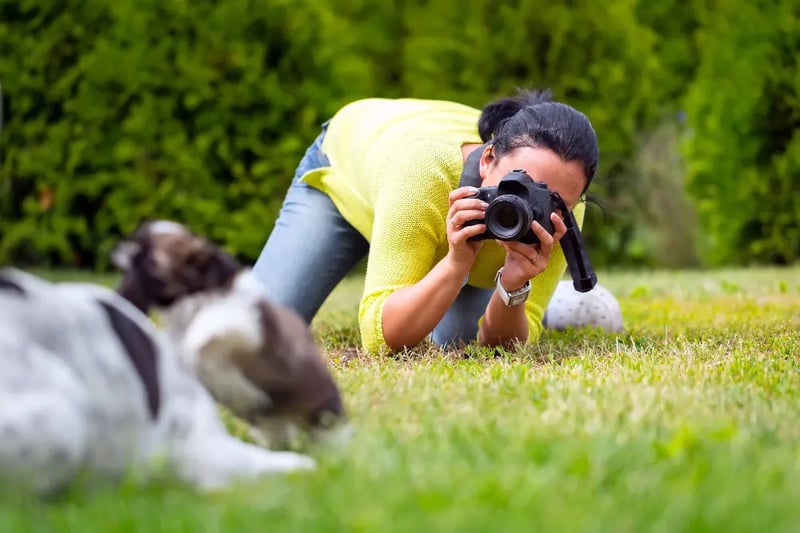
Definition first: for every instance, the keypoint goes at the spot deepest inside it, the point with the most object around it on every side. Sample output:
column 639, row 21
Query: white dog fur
column 91, row 388
column 255, row 357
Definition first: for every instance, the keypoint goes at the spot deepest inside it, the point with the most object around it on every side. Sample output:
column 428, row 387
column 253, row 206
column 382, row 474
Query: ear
column 123, row 254
column 221, row 268
column 207, row 265
column 487, row 160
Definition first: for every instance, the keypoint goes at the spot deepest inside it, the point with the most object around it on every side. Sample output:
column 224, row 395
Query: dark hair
column 532, row 118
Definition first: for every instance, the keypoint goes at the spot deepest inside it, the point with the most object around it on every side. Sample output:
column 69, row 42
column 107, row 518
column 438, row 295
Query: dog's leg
column 43, row 425
column 218, row 462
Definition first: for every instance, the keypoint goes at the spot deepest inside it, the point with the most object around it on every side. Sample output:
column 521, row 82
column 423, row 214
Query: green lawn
column 690, row 421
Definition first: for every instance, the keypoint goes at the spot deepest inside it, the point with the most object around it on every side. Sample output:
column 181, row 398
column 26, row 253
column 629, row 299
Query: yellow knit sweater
column 393, row 164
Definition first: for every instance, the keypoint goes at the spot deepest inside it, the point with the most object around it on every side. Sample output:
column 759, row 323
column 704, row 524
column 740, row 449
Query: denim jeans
column 312, row 248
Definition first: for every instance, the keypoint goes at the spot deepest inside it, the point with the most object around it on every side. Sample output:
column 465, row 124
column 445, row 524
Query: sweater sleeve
column 408, row 236
column 410, row 203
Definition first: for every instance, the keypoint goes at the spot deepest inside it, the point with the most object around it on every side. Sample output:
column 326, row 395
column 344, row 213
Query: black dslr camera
column 514, row 204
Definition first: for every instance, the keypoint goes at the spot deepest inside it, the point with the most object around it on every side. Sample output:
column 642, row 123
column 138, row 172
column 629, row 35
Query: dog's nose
column 329, row 413
column 329, row 424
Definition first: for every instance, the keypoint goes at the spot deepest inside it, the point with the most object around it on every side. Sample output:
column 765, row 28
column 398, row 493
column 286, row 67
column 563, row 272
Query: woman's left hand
column 524, row 261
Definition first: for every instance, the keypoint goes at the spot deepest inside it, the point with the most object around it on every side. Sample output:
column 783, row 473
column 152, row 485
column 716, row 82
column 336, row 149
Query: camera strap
column 583, row 276
column 471, row 175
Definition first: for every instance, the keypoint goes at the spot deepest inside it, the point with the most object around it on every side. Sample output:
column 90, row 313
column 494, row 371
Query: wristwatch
column 512, row 298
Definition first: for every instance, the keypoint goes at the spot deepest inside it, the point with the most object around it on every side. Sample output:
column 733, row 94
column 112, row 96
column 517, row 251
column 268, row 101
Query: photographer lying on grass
column 382, row 178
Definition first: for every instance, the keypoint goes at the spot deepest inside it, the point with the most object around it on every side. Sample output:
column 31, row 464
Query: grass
column 689, row 421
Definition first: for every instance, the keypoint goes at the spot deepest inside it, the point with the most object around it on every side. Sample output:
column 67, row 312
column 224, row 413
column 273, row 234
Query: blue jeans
column 312, row 248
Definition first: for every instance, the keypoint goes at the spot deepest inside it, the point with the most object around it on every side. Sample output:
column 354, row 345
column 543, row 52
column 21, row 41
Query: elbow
column 381, row 346
column 378, row 337
column 399, row 328
column 506, row 338
column 399, row 343
column 398, row 336
column 507, row 343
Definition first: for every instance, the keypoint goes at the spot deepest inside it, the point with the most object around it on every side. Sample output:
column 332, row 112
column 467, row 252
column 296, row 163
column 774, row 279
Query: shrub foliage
column 743, row 149
column 120, row 111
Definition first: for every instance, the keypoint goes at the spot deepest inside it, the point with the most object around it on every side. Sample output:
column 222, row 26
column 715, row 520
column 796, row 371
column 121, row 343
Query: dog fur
column 93, row 390
column 256, row 358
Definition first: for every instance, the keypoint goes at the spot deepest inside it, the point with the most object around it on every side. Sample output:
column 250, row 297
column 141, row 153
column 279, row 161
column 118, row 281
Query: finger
column 464, row 233
column 467, row 203
column 560, row 227
column 459, row 218
column 545, row 239
column 522, row 252
column 520, row 247
column 462, row 192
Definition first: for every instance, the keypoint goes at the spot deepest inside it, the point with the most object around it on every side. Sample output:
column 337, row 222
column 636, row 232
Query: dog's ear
column 122, row 255
column 222, row 267
column 206, row 265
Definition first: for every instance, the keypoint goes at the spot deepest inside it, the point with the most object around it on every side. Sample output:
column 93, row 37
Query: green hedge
column 743, row 146
column 127, row 110
column 200, row 111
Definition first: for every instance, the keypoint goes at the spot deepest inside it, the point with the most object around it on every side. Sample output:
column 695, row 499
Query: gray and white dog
column 89, row 387
column 256, row 358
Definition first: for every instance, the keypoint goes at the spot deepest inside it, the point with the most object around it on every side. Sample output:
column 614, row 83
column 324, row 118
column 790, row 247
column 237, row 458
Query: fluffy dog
column 92, row 389
column 256, row 358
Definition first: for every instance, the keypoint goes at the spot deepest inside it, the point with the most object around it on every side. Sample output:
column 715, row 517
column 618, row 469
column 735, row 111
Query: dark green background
column 199, row 111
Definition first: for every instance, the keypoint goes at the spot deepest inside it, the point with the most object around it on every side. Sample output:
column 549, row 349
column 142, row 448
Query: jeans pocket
column 313, row 158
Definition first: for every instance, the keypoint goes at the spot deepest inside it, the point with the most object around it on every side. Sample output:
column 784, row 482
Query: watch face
column 514, row 298
column 518, row 299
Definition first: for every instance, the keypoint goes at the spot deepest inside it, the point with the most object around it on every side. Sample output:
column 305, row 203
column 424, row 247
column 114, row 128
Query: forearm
column 411, row 313
column 503, row 325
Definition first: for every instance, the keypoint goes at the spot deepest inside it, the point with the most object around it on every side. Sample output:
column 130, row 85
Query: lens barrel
column 508, row 217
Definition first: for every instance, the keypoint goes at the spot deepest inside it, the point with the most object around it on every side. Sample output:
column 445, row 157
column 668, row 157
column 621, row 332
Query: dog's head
column 162, row 262
column 305, row 402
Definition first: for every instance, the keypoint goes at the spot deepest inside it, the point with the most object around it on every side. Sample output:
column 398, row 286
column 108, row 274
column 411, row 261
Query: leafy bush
column 139, row 109
column 743, row 149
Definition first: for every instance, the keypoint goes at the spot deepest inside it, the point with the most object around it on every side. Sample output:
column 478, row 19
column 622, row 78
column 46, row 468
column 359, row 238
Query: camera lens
column 508, row 217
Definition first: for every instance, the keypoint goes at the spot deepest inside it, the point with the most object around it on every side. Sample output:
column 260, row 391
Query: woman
column 383, row 179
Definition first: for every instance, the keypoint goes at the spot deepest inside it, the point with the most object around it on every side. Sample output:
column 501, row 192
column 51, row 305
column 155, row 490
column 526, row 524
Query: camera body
column 514, row 203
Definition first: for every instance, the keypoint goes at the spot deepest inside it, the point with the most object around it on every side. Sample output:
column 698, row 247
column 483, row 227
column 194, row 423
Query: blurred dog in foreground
column 256, row 358
column 91, row 389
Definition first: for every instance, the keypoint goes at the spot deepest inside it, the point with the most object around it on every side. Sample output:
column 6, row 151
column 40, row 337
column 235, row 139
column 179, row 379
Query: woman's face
column 542, row 164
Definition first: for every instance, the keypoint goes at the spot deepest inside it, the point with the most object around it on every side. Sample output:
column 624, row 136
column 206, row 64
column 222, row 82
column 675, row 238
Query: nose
column 337, row 436
column 329, row 414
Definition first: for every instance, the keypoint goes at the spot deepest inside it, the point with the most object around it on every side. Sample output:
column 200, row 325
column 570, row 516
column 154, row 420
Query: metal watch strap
column 513, row 298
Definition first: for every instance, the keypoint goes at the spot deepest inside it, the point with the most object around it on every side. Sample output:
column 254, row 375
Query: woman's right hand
column 462, row 253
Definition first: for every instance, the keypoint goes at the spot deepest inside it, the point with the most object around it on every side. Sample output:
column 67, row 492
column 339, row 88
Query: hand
column 462, row 253
column 524, row 261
